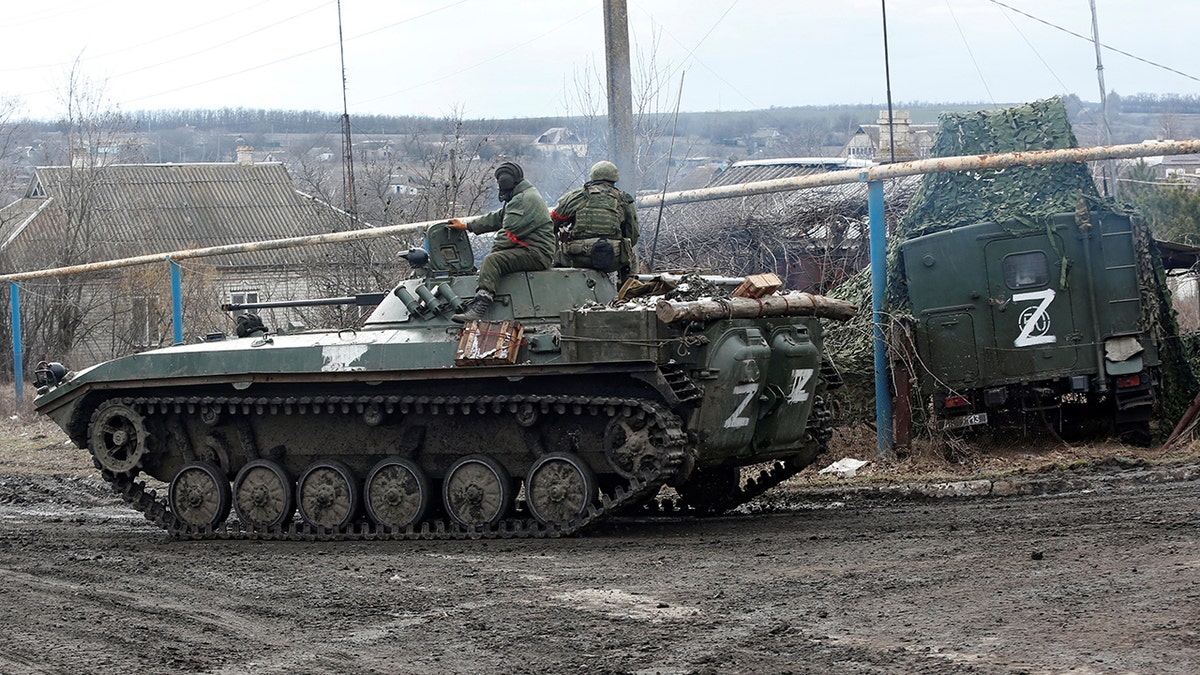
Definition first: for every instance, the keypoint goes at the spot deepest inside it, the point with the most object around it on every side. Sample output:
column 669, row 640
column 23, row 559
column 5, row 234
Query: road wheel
column 559, row 488
column 327, row 495
column 118, row 438
column 477, row 490
column 200, row 495
column 263, row 496
column 396, row 493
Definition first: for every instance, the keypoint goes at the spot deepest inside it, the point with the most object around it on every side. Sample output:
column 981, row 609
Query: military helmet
column 604, row 170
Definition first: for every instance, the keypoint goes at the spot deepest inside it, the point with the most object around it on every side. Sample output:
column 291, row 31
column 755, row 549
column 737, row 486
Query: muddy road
column 1103, row 579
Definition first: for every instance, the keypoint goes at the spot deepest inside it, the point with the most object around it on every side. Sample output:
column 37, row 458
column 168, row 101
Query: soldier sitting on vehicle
column 597, row 225
column 524, row 237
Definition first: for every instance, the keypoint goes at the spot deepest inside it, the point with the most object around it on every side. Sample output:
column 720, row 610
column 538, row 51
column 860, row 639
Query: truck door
column 950, row 340
column 1032, row 317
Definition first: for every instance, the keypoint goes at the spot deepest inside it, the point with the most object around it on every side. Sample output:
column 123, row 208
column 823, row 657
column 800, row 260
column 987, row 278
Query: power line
column 296, row 56
column 221, row 44
column 692, row 50
column 477, row 64
column 202, row 51
column 267, row 64
column 1035, row 51
column 703, row 38
column 967, row 44
column 161, row 38
column 1084, row 37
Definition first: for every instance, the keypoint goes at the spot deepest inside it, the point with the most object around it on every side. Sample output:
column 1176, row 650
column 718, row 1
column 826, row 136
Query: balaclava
column 508, row 175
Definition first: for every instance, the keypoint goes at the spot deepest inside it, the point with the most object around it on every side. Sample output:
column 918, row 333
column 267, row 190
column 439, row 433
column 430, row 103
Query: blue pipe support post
column 883, row 394
column 176, row 301
column 14, row 295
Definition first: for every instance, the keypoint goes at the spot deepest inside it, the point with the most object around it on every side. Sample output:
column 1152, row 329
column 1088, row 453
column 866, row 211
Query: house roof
column 872, row 130
column 803, row 213
column 750, row 171
column 806, row 210
column 1180, row 160
column 558, row 136
column 157, row 208
column 1177, row 256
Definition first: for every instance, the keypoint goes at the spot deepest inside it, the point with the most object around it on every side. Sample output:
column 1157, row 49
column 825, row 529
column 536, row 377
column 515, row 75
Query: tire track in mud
column 144, row 602
column 939, row 586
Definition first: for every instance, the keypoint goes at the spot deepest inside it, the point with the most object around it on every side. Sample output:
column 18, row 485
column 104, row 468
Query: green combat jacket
column 522, row 222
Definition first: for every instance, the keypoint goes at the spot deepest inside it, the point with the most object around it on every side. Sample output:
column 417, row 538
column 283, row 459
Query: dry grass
column 8, row 401
column 980, row 457
column 35, row 446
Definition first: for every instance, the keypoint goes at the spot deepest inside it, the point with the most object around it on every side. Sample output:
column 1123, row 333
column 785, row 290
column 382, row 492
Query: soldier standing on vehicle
column 597, row 225
column 524, row 239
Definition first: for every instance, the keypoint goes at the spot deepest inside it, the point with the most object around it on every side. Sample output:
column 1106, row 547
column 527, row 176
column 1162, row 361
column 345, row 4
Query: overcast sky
column 523, row 58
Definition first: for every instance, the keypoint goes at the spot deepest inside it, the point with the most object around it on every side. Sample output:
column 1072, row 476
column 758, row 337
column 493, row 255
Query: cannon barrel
column 362, row 300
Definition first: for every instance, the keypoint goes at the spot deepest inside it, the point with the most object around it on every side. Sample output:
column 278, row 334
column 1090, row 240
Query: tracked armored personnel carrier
column 558, row 410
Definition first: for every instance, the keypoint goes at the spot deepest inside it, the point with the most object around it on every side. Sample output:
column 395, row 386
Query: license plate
column 964, row 421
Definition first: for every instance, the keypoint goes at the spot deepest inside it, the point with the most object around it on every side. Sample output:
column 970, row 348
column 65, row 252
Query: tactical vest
column 594, row 238
column 600, row 214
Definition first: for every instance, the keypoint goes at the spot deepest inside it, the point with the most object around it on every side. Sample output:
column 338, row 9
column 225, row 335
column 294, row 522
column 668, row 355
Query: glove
column 457, row 224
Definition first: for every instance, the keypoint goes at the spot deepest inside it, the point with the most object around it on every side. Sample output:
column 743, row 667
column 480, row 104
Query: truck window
column 1026, row 270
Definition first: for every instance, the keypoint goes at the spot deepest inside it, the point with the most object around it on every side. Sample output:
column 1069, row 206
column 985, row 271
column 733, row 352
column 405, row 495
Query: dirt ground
column 1096, row 570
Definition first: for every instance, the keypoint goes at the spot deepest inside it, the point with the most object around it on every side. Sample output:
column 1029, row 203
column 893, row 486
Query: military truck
column 1029, row 323
column 561, row 408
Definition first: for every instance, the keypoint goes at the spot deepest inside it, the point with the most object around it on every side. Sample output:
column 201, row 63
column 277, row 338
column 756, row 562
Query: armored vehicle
column 1019, row 322
column 559, row 409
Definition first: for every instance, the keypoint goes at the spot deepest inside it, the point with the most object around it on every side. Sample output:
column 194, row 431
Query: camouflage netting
column 1025, row 195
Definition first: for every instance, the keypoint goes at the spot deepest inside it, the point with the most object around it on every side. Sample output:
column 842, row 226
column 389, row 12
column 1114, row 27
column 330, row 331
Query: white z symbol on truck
column 1037, row 319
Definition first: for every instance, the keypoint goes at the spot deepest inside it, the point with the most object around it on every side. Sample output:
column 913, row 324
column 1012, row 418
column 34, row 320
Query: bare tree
column 651, row 102
column 9, row 167
column 813, row 238
column 60, row 311
column 452, row 178
column 142, row 314
column 8, row 181
column 441, row 177
column 1169, row 127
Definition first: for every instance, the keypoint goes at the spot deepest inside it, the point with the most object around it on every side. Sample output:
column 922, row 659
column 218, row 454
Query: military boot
column 479, row 307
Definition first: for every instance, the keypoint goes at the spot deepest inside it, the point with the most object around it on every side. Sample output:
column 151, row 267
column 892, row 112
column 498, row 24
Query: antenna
column 1110, row 177
column 887, row 76
column 667, row 175
column 347, row 152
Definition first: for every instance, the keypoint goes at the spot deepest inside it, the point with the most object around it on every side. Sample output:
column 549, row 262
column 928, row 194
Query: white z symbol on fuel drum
column 737, row 420
column 800, row 378
column 1026, row 339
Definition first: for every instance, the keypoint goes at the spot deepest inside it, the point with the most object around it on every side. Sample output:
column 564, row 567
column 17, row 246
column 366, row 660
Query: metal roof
column 156, row 208
column 771, row 169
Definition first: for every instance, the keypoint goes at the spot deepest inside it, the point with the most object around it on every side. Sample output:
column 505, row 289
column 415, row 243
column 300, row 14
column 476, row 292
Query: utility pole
column 620, row 92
